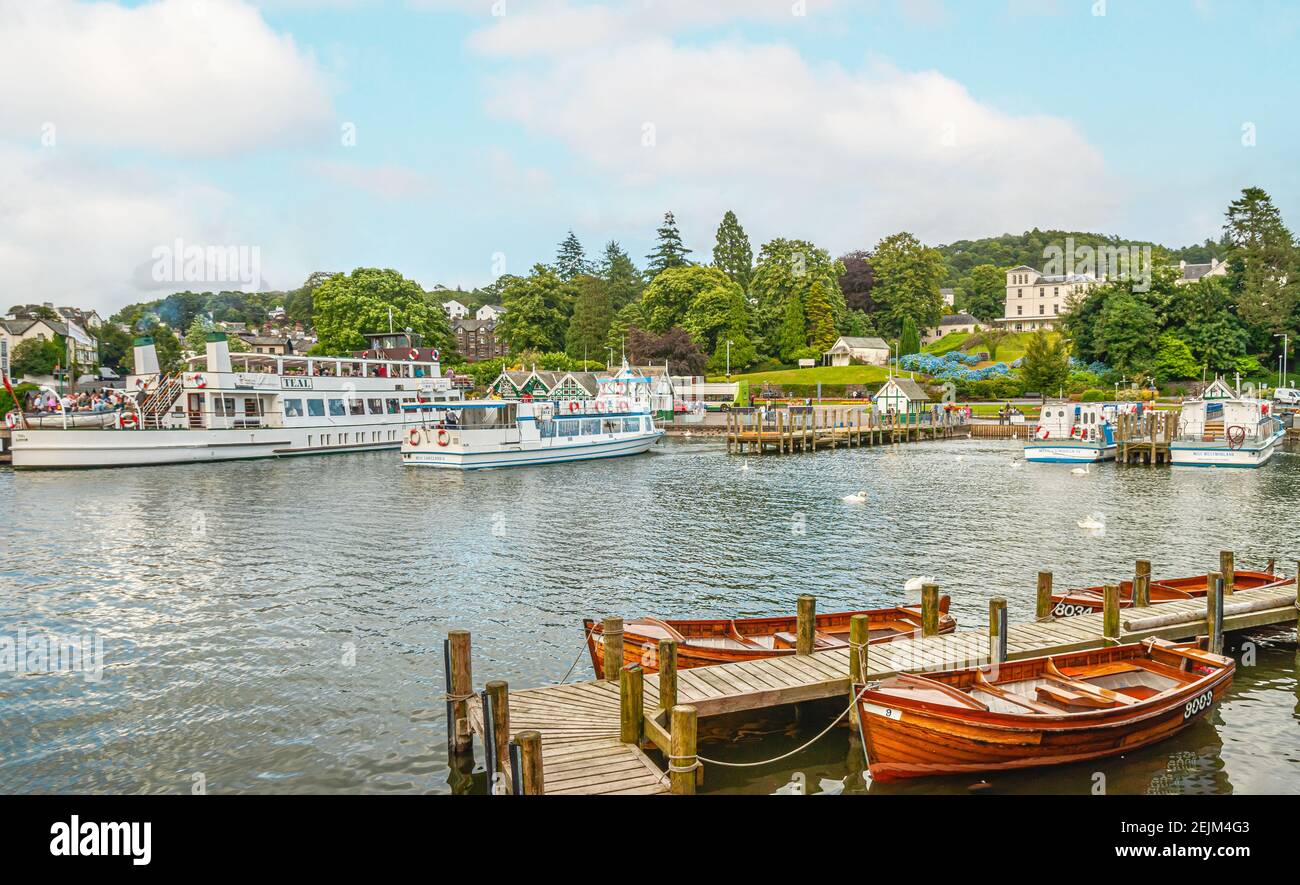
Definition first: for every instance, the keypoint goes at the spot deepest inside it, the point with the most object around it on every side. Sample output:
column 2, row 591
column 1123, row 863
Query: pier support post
column 667, row 674
column 631, row 704
column 997, row 630
column 498, row 693
column 1228, row 569
column 929, row 609
column 1110, row 611
column 859, row 634
column 1043, row 606
column 1214, row 611
column 612, row 636
column 1142, row 584
column 807, row 625
column 681, row 754
column 530, row 752
column 460, row 689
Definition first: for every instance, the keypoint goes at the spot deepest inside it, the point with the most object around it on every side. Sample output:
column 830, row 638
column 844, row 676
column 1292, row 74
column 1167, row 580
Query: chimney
column 218, row 352
column 146, row 357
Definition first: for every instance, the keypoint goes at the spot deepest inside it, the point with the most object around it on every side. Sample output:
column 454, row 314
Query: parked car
column 1288, row 395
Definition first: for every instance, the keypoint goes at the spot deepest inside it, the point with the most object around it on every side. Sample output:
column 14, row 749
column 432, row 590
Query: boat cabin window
column 337, row 409
column 393, row 406
column 611, row 425
column 316, row 408
column 591, row 426
column 356, row 407
column 293, row 408
column 630, row 425
column 567, row 428
column 376, row 406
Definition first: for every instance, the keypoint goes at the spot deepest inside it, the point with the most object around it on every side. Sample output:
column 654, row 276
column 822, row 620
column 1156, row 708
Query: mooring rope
column 585, row 640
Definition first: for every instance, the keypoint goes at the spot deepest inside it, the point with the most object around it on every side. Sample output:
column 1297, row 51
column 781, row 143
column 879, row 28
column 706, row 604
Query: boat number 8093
column 1198, row 705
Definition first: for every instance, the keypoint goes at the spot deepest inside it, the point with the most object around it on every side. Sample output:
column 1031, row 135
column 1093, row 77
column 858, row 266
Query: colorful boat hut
column 901, row 399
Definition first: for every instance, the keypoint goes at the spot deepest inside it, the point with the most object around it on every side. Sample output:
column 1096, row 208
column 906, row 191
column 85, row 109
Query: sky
column 455, row 140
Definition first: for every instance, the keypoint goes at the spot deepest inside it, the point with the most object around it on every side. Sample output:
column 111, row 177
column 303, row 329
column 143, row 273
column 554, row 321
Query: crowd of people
column 46, row 402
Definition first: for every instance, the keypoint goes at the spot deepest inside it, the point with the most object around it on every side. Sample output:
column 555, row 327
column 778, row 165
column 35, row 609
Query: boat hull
column 643, row 650
column 1092, row 599
column 1202, row 454
column 1066, row 452
column 517, row 456
column 906, row 739
column 53, row 449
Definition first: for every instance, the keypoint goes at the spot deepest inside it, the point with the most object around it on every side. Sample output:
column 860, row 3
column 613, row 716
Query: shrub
column 1095, row 396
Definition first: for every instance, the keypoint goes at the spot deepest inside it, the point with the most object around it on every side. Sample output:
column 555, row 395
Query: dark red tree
column 676, row 346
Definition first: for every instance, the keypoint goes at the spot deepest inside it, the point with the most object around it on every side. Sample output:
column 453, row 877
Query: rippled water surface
column 277, row 626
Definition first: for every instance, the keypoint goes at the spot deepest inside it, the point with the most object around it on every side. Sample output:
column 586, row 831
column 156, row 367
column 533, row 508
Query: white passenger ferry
column 1075, row 433
column 506, row 433
column 226, row 407
column 1226, row 431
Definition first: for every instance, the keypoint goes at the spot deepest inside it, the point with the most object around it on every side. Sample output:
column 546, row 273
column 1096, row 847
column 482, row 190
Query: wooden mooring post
column 997, row 630
column 496, row 719
column 612, row 637
column 1110, row 611
column 631, row 704
column 1228, row 569
column 460, row 691
column 1214, row 611
column 1043, row 600
column 530, row 753
column 807, row 624
column 667, row 674
column 929, row 609
column 1142, row 584
column 682, row 761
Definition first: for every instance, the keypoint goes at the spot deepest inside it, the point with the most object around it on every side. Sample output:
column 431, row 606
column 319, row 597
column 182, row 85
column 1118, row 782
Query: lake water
column 277, row 626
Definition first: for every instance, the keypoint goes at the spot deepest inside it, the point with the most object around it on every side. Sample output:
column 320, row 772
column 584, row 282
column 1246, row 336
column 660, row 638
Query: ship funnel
column 146, row 357
column 218, row 352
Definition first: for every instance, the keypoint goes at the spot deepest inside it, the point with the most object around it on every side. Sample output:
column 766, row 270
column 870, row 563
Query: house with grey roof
column 846, row 349
column 953, row 322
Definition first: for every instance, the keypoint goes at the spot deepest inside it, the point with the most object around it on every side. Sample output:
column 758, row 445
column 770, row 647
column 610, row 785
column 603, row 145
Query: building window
column 1020, row 309
column 1042, row 309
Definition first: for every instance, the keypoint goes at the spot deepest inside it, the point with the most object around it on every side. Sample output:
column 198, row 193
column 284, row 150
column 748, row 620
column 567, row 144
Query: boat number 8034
column 1198, row 704
column 1066, row 610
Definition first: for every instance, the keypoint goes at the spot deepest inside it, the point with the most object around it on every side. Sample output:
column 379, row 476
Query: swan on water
column 1080, row 471
column 1093, row 521
column 913, row 585
column 858, row 498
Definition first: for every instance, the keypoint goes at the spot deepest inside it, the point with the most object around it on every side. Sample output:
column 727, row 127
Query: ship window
column 293, row 408
column 250, row 406
column 645, row 423
column 337, row 409
column 591, row 426
column 630, row 425
column 356, row 407
column 567, row 428
column 316, row 408
column 376, row 406
column 546, row 429
column 612, row 425
column 393, row 407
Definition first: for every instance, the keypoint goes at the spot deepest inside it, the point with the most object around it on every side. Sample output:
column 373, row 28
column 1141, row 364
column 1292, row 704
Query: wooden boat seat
column 1109, row 669
column 1078, row 686
column 1004, row 694
column 1058, row 694
column 786, row 639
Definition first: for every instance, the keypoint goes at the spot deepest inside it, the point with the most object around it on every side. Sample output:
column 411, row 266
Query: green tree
column 36, row 357
column 1174, row 360
column 794, row 329
column 345, row 306
column 592, row 314
column 196, row 337
column 1125, row 330
column 571, row 261
column 785, row 271
column 669, row 252
column 670, row 294
column 1262, row 263
column 909, row 340
column 623, row 280
column 630, row 316
column 985, row 289
column 114, row 347
column 732, row 253
column 1046, row 364
column 822, row 329
column 537, row 311
column 907, row 277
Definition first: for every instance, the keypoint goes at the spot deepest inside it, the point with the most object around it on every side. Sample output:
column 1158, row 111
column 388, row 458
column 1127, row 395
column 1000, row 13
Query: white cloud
column 841, row 156
column 184, row 76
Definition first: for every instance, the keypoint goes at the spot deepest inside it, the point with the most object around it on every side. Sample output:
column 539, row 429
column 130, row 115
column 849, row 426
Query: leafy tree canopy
column 346, row 306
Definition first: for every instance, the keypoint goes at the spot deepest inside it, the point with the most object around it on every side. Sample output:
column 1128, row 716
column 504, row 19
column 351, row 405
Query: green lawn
column 815, row 375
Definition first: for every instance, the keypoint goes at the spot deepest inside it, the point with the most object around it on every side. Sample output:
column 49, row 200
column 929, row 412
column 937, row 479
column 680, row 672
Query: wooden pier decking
column 585, row 727
column 788, row 429
column 1145, row 439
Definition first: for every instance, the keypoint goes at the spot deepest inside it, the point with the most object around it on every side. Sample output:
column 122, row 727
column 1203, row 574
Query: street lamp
column 728, row 359
column 1286, row 340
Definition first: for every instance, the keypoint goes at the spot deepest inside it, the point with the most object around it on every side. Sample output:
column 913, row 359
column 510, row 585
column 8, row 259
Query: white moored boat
column 249, row 405
column 1224, row 429
column 1075, row 433
column 506, row 433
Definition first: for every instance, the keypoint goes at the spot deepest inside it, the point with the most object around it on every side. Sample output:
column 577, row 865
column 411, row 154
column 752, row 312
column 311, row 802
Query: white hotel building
column 1035, row 301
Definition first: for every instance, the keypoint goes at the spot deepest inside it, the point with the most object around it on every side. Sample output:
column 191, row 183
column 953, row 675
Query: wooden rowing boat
column 1041, row 711
column 1091, row 599
column 702, row 643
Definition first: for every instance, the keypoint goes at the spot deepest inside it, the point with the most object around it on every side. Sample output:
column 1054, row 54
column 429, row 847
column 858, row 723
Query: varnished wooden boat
column 702, row 643
column 1042, row 711
column 1091, row 599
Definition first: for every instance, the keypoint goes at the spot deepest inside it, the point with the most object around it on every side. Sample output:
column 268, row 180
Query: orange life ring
column 414, row 436
column 9, row 420
column 573, row 406
column 443, row 437
column 128, row 419
column 414, row 355
column 199, row 381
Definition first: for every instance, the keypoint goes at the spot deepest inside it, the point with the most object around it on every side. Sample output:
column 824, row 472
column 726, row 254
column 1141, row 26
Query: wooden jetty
column 590, row 737
column 1146, row 438
column 788, row 429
